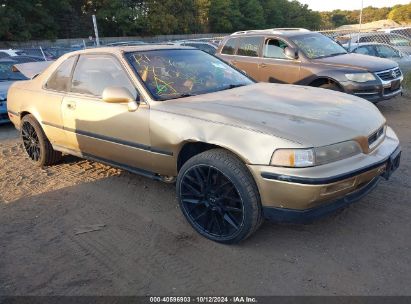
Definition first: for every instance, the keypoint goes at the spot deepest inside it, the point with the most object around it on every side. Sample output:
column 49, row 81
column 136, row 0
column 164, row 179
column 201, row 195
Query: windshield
column 169, row 74
column 399, row 40
column 6, row 72
column 318, row 46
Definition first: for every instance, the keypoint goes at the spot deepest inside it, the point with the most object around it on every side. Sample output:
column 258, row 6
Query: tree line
column 22, row 20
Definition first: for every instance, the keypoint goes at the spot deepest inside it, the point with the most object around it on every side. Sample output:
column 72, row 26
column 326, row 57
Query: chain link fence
column 389, row 43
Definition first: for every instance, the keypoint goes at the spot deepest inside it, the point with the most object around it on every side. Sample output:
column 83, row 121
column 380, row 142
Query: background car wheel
column 331, row 86
column 219, row 197
column 36, row 144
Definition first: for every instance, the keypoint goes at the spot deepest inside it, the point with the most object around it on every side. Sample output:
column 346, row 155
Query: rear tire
column 36, row 144
column 219, row 197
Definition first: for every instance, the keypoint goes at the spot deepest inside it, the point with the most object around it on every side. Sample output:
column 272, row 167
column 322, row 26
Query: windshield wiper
column 233, row 86
column 180, row 96
column 330, row 55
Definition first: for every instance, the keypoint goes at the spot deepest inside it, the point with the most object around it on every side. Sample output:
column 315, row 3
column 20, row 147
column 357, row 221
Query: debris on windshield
column 171, row 75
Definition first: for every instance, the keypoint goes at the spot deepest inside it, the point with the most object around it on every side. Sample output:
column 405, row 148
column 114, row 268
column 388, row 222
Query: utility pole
column 359, row 28
column 96, row 30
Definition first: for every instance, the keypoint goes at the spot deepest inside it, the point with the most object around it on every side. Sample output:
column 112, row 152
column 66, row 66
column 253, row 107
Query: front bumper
column 374, row 92
column 284, row 215
column 289, row 193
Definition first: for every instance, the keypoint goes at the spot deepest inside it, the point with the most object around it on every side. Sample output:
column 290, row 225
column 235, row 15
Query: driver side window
column 366, row 50
column 94, row 73
column 274, row 48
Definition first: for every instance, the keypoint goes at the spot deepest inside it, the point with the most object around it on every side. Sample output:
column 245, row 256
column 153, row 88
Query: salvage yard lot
column 142, row 245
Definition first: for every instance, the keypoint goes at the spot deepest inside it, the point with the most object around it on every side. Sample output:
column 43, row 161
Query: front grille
column 389, row 74
column 375, row 136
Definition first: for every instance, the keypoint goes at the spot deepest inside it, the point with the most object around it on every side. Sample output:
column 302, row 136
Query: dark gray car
column 299, row 56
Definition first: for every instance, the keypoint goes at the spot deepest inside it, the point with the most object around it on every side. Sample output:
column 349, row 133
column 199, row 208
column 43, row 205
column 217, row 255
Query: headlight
column 332, row 153
column 300, row 158
column 293, row 158
column 360, row 77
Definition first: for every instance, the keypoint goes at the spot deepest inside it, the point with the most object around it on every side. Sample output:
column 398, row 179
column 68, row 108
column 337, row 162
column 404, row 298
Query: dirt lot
column 146, row 247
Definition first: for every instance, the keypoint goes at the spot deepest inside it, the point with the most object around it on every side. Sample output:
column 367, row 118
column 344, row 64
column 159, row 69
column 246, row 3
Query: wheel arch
column 24, row 113
column 190, row 149
column 320, row 80
column 32, row 113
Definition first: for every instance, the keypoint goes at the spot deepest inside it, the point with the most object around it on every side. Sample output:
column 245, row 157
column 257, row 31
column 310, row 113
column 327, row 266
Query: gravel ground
column 143, row 246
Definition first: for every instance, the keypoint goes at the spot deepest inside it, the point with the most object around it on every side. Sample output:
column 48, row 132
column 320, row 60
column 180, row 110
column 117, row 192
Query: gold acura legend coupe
column 239, row 151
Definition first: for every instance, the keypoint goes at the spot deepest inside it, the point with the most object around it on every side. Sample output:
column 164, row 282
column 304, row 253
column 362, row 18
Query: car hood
column 404, row 63
column 309, row 116
column 405, row 49
column 4, row 87
column 358, row 61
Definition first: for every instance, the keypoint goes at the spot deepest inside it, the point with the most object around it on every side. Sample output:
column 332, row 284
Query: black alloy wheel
column 31, row 141
column 219, row 197
column 36, row 143
column 211, row 201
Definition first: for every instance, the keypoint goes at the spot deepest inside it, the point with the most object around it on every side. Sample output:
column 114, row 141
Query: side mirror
column 120, row 95
column 291, row 53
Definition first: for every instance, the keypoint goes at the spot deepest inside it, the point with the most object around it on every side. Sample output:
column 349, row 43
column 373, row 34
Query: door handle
column 263, row 65
column 71, row 105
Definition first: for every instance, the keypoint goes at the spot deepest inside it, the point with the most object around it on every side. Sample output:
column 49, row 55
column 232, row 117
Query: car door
column 228, row 50
column 56, row 87
column 248, row 55
column 275, row 66
column 108, row 132
column 386, row 51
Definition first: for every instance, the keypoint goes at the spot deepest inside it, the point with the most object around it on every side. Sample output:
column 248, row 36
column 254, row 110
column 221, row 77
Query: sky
column 329, row 5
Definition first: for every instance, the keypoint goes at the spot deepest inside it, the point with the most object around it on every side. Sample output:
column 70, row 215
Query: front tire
column 331, row 86
column 219, row 197
column 36, row 144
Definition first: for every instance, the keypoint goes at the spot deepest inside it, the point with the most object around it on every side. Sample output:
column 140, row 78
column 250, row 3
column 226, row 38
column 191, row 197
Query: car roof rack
column 273, row 30
column 300, row 29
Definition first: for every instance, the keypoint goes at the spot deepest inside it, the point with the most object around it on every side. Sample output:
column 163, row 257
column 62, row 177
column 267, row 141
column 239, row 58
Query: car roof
column 179, row 42
column 379, row 34
column 357, row 45
column 287, row 32
column 395, row 28
column 133, row 48
column 369, row 43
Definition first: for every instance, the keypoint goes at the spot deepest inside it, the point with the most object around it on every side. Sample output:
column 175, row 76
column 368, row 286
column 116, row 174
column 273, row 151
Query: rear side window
column 94, row 73
column 249, row 46
column 60, row 80
column 229, row 47
column 385, row 51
